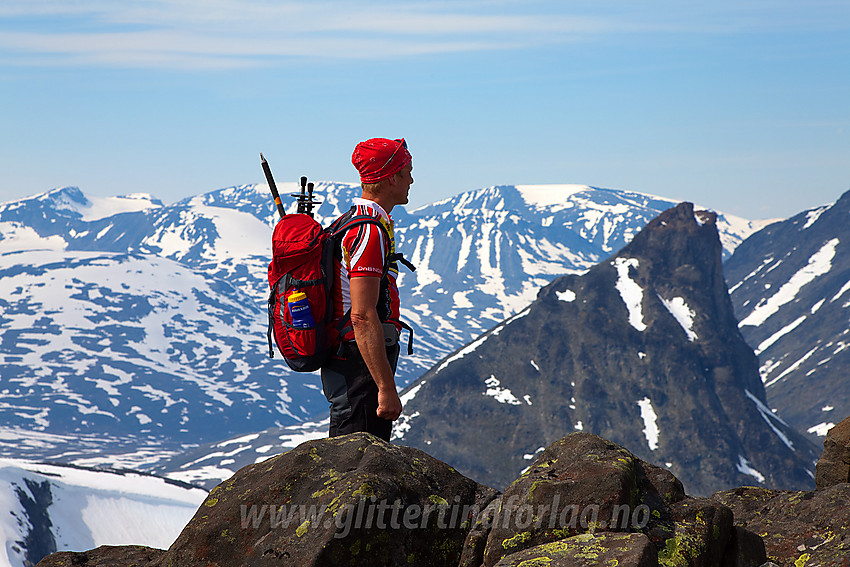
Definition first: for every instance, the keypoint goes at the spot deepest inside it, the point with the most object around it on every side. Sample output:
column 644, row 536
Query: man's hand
column 389, row 404
column 369, row 334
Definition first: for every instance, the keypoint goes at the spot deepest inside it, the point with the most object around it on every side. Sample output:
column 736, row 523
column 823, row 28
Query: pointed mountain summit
column 643, row 349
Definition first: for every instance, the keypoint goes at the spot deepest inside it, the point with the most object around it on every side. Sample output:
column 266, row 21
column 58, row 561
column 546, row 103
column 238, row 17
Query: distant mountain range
column 816, row 277
column 133, row 328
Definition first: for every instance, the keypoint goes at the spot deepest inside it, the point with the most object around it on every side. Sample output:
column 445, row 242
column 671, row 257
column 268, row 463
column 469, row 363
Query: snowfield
column 89, row 508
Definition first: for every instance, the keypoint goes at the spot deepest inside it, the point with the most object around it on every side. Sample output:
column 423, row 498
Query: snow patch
column 650, row 423
column 813, row 215
column 546, row 196
column 821, row 429
column 793, row 367
column 683, row 314
column 102, row 207
column 461, row 301
column 501, row 395
column 408, row 396
column 567, row 295
column 15, row 237
column 768, row 416
column 744, row 467
column 630, row 291
column 841, row 292
column 93, row 508
column 768, row 342
column 819, row 264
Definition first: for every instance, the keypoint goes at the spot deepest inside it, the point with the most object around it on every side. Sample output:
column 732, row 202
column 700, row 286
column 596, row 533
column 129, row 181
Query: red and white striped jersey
column 364, row 251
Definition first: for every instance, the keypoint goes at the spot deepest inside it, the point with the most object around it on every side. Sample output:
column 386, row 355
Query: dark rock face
column 834, row 464
column 745, row 549
column 798, row 528
column 789, row 286
column 36, row 499
column 643, row 349
column 104, row 556
column 342, row 501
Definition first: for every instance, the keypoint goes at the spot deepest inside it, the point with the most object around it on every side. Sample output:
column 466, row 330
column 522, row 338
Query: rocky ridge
column 357, row 500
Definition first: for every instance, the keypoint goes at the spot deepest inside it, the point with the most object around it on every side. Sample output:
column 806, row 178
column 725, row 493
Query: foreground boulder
column 347, row 500
column 834, row 464
column 803, row 528
column 588, row 550
column 798, row 528
column 587, row 498
column 104, row 556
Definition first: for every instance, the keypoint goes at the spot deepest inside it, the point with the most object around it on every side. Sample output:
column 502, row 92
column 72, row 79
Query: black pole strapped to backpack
column 272, row 186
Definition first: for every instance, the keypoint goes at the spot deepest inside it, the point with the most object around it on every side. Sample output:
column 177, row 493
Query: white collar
column 374, row 206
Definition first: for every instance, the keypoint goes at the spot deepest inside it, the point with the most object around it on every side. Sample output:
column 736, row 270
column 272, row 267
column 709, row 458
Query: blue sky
column 742, row 106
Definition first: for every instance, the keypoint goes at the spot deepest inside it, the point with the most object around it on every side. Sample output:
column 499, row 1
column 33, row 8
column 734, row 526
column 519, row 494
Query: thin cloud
column 172, row 34
column 226, row 33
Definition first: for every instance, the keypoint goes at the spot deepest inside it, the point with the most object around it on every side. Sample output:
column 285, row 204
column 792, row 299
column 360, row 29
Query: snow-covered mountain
column 56, row 508
column 134, row 349
column 790, row 284
column 131, row 327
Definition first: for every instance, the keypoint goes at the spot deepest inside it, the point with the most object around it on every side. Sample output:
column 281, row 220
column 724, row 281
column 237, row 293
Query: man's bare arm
column 369, row 334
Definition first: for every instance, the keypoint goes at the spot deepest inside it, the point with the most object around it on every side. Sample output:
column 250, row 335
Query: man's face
column 400, row 185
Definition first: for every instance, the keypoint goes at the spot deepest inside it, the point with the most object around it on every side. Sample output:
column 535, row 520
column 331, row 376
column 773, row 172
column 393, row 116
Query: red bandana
column 380, row 158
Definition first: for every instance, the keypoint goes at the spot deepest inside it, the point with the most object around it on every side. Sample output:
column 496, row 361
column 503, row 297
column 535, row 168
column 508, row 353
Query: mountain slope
column 135, row 350
column 642, row 349
column 53, row 508
column 790, row 284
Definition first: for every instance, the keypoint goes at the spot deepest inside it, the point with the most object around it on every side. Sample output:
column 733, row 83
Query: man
column 359, row 381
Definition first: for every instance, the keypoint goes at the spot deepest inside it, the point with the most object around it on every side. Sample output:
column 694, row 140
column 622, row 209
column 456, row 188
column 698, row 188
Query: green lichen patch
column 438, row 500
column 516, row 541
column 365, row 490
column 536, row 562
column 680, row 551
column 302, row 529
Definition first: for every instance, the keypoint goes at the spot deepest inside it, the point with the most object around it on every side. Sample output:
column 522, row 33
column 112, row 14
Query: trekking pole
column 305, row 198
column 272, row 186
column 302, row 198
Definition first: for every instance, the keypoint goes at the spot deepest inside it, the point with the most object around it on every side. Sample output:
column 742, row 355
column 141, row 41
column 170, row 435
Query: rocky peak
column 643, row 349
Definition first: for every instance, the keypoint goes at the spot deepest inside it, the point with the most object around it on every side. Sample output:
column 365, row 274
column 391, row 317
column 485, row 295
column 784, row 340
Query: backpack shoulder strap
column 350, row 220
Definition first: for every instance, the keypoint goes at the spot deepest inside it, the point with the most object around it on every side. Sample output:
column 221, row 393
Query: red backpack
column 302, row 265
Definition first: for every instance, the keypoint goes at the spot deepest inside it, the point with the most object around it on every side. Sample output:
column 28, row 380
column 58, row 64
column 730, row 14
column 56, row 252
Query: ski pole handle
column 267, row 170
